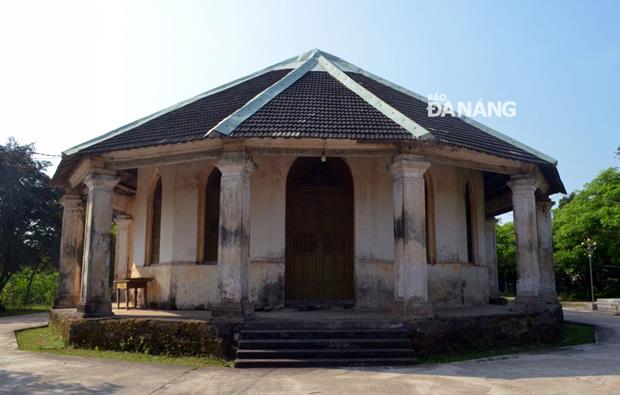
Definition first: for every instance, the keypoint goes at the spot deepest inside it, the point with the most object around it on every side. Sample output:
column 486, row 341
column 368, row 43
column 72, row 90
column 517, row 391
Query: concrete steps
column 313, row 344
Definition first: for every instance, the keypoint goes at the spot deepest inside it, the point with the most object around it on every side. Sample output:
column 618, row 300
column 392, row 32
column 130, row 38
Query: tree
column 29, row 212
column 592, row 212
column 506, row 256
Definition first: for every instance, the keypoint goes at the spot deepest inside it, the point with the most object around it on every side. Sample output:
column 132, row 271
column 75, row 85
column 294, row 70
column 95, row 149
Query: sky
column 73, row 70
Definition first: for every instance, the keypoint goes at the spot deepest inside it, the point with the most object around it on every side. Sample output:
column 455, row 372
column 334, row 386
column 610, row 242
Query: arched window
column 208, row 248
column 429, row 201
column 470, row 215
column 154, row 224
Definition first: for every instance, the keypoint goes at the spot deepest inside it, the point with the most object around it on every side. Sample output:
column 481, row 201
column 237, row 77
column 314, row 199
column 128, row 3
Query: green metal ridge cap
column 401, row 119
column 227, row 125
column 349, row 67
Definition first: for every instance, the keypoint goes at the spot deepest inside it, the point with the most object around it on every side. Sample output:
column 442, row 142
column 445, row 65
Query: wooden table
column 128, row 284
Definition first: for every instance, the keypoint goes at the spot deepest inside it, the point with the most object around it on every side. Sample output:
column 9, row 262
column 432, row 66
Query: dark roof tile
column 448, row 129
column 191, row 121
column 319, row 106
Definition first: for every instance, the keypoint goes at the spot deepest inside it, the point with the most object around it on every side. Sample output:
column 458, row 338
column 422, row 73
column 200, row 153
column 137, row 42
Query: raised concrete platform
column 332, row 314
column 609, row 305
column 289, row 337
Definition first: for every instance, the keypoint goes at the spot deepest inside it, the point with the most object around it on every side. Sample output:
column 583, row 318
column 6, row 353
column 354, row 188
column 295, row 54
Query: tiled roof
column 318, row 106
column 448, row 129
column 315, row 95
column 189, row 122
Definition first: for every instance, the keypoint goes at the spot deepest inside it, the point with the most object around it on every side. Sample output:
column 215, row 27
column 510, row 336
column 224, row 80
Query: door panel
column 319, row 242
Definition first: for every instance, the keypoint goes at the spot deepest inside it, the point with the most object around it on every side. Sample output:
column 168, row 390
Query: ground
column 583, row 369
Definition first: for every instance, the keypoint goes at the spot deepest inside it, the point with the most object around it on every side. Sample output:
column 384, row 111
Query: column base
column 528, row 304
column 95, row 309
column 65, row 301
column 550, row 297
column 495, row 297
column 499, row 300
column 234, row 310
column 413, row 310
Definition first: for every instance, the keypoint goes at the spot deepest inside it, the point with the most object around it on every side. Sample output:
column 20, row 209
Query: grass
column 23, row 310
column 45, row 339
column 572, row 334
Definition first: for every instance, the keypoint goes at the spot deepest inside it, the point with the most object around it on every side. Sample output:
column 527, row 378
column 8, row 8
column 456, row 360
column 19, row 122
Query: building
column 309, row 182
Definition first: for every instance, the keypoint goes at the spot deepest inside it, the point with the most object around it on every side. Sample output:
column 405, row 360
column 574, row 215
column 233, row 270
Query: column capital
column 491, row 220
column 101, row 179
column 406, row 165
column 71, row 201
column 231, row 163
column 545, row 204
column 122, row 220
column 522, row 184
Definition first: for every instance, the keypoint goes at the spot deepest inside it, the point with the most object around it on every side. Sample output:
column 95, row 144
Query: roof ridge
column 230, row 123
column 376, row 102
column 178, row 105
column 311, row 59
column 470, row 121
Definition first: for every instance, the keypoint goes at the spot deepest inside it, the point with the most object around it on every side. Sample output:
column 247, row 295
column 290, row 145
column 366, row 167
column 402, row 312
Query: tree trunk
column 33, row 272
column 4, row 279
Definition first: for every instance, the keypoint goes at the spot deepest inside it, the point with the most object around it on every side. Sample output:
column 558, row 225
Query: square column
column 121, row 256
column 71, row 245
column 234, row 237
column 545, row 252
column 94, row 296
column 491, row 254
column 526, row 231
column 410, row 266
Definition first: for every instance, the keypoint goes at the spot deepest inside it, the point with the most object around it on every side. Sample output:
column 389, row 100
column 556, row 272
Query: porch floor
column 290, row 314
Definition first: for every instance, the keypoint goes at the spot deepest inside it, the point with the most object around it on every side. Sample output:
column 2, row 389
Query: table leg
column 126, row 298
column 135, row 298
column 118, row 298
column 145, row 302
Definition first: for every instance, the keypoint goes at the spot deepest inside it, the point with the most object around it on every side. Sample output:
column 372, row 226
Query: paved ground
column 590, row 369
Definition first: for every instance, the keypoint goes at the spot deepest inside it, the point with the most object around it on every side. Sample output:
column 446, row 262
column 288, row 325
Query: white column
column 94, row 295
column 491, row 254
column 121, row 256
column 545, row 252
column 234, row 236
column 71, row 244
column 410, row 267
column 526, row 231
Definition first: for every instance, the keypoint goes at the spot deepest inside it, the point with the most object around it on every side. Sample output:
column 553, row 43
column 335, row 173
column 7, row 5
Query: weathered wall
column 180, row 282
column 374, row 231
column 453, row 281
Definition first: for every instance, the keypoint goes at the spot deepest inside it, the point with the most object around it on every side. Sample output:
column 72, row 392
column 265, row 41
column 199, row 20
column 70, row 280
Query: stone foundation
column 147, row 335
column 212, row 337
column 445, row 335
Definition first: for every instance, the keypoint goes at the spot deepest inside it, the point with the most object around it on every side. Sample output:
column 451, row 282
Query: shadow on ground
column 28, row 383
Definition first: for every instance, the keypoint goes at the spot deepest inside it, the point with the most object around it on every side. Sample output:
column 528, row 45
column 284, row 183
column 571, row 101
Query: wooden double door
column 319, row 232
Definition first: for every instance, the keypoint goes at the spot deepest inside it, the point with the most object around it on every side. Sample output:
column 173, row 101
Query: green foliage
column 592, row 212
column 42, row 293
column 506, row 256
column 29, row 212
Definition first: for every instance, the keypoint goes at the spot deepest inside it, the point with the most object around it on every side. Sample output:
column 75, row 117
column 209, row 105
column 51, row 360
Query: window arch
column 470, row 220
column 429, row 200
column 154, row 224
column 208, row 241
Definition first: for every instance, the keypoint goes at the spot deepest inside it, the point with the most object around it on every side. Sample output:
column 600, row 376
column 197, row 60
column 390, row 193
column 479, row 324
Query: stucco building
column 309, row 182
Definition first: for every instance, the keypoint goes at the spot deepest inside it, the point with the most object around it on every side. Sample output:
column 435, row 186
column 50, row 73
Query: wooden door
column 319, row 228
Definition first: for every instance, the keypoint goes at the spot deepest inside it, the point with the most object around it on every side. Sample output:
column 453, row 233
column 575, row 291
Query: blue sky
column 74, row 70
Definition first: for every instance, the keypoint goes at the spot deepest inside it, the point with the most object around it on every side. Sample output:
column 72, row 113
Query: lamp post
column 590, row 246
